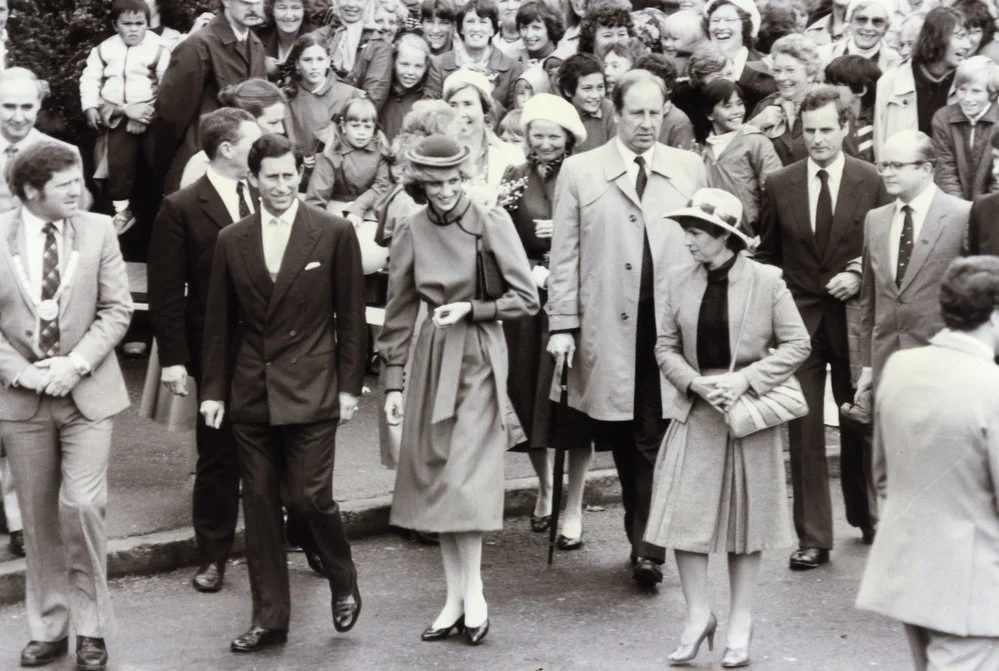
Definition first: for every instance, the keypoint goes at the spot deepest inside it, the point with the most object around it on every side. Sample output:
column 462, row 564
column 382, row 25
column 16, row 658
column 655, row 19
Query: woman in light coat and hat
column 552, row 128
column 715, row 493
column 450, row 474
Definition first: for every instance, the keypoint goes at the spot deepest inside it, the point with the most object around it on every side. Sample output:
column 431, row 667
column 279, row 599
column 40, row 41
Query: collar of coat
column 661, row 164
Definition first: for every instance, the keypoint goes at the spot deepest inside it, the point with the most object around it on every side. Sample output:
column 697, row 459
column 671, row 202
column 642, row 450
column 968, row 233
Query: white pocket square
column 314, row 264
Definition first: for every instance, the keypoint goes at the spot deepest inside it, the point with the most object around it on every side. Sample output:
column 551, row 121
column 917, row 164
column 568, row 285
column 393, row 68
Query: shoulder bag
column 489, row 282
column 752, row 412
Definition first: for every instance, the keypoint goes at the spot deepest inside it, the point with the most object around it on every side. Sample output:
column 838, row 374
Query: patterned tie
column 642, row 179
column 244, row 209
column 905, row 243
column 823, row 213
column 48, row 333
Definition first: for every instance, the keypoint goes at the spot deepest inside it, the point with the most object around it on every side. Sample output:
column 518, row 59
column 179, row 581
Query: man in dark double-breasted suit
column 812, row 227
column 222, row 53
column 284, row 359
column 183, row 245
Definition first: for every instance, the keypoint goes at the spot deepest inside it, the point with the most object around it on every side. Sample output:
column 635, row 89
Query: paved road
column 584, row 615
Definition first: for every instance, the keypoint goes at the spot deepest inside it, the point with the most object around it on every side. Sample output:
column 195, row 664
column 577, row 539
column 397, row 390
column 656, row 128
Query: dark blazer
column 181, row 252
column 983, row 226
column 756, row 82
column 372, row 71
column 787, row 240
column 279, row 352
column 502, row 72
column 958, row 173
column 200, row 66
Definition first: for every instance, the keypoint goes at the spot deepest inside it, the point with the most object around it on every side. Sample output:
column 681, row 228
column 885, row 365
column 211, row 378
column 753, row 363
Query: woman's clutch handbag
column 489, row 282
column 751, row 412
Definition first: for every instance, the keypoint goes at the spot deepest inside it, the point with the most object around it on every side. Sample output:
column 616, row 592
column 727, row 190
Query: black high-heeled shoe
column 685, row 654
column 474, row 635
column 540, row 523
column 432, row 634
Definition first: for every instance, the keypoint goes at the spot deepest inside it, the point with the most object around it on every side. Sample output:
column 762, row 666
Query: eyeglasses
column 894, row 166
column 876, row 21
column 723, row 21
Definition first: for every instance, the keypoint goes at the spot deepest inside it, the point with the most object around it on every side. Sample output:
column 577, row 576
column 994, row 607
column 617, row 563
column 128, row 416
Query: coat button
column 268, row 364
column 292, row 333
column 632, row 218
column 29, row 333
column 294, row 359
column 627, row 266
column 624, row 316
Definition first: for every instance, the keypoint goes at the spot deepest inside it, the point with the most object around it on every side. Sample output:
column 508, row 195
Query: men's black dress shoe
column 647, row 573
column 804, row 559
column 40, row 653
column 346, row 610
column 16, row 543
column 91, row 654
column 209, row 577
column 474, row 635
column 568, row 544
column 431, row 634
column 257, row 638
column 867, row 535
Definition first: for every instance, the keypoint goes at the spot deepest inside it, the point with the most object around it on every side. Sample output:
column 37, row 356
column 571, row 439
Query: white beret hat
column 558, row 110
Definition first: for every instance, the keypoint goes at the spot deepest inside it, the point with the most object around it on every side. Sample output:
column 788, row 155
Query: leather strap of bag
column 745, row 317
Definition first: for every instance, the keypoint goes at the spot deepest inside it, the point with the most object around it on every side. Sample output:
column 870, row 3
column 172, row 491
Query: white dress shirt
column 276, row 231
column 225, row 187
column 835, row 170
column 629, row 160
column 920, row 208
column 34, row 243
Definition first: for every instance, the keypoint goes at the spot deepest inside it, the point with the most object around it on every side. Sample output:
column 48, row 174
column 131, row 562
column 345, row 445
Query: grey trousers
column 939, row 651
column 59, row 461
column 10, row 507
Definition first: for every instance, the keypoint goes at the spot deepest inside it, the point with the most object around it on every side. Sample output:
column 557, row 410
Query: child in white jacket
column 118, row 94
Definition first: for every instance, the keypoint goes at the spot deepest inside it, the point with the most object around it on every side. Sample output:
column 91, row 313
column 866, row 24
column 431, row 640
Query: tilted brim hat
column 747, row 6
column 558, row 110
column 717, row 207
column 438, row 151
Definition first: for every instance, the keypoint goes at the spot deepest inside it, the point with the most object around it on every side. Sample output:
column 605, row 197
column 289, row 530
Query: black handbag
column 489, row 282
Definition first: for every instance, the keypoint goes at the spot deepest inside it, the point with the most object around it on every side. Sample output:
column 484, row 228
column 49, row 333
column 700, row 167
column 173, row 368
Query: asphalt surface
column 585, row 614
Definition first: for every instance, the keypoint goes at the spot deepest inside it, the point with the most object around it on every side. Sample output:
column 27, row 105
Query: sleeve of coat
column 973, row 245
column 401, row 308
column 791, row 337
column 166, row 270
column 521, row 296
column 669, row 347
column 90, row 80
column 765, row 162
column 945, row 167
column 880, row 110
column 176, row 107
column 349, row 308
column 866, row 297
column 113, row 311
column 364, row 205
column 221, row 315
column 770, row 249
column 563, row 283
column 321, row 183
column 378, row 76
column 434, row 88
column 992, row 446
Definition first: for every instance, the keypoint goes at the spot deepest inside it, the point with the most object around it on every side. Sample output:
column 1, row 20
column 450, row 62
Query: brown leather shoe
column 91, row 654
column 16, row 543
column 209, row 577
column 40, row 653
column 257, row 638
column 804, row 559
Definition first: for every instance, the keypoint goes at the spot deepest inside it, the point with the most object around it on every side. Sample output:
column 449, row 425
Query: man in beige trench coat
column 610, row 243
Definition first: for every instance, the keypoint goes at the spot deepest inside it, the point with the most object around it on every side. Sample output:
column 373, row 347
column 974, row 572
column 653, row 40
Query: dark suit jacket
column 200, row 66
column 755, row 80
column 787, row 240
column 983, row 226
column 959, row 173
column 181, row 252
column 279, row 352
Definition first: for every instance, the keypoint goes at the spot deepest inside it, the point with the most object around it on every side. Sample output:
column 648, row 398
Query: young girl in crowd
column 118, row 95
column 510, row 130
column 963, row 130
column 531, row 81
column 683, row 31
column 353, row 170
column 581, row 82
column 737, row 156
column 315, row 95
column 409, row 76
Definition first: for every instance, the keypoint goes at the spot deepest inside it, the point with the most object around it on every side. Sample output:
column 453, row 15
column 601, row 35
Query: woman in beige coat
column 713, row 492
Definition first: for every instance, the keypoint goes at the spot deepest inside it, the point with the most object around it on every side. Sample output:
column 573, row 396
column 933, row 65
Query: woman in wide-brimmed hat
column 714, row 493
column 552, row 128
column 458, row 423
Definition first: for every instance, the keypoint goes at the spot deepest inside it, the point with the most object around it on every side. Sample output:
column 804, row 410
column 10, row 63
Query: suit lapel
column 738, row 295
column 846, row 204
column 17, row 246
column 616, row 171
column 68, row 247
column 304, row 234
column 212, row 204
column 933, row 226
column 251, row 245
column 802, row 207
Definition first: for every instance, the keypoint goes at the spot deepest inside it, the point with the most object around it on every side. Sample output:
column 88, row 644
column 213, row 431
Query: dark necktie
column 905, row 244
column 823, row 213
column 48, row 333
column 646, row 278
column 244, row 209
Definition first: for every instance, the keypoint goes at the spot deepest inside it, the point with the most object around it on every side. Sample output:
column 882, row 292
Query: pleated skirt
column 718, row 494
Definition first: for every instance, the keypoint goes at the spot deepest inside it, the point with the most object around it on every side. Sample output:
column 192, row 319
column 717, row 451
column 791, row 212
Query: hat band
column 709, row 209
